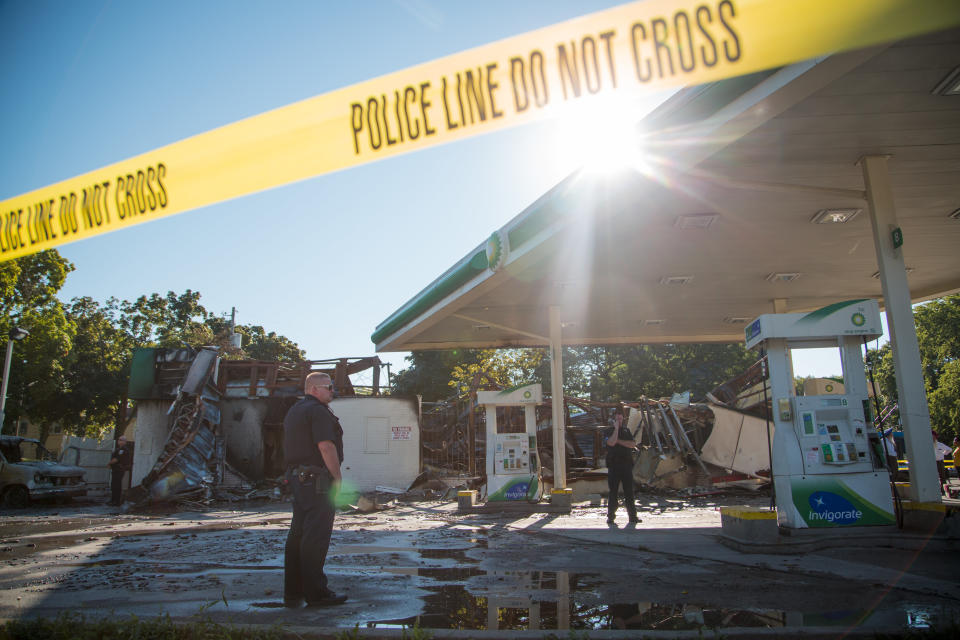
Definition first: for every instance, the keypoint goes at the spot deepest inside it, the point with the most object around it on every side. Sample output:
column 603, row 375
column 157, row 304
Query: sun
column 602, row 135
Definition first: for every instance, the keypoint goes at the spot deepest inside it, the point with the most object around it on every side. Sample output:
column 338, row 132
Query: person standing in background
column 620, row 445
column 890, row 449
column 940, row 451
column 956, row 454
column 121, row 461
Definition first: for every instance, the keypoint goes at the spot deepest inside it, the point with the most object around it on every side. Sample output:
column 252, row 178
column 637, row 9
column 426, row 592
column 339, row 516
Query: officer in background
column 121, row 461
column 890, row 449
column 312, row 451
column 620, row 445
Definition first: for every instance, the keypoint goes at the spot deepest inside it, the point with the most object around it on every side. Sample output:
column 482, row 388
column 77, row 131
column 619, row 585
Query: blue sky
column 322, row 261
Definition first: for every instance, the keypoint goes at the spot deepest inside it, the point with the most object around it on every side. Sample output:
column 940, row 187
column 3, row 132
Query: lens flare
column 346, row 495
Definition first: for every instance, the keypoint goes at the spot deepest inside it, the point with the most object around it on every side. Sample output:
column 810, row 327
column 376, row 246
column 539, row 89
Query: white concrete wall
column 93, row 456
column 381, row 441
column 150, row 436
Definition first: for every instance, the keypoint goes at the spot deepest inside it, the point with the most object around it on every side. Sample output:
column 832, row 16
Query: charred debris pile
column 193, row 466
column 670, row 432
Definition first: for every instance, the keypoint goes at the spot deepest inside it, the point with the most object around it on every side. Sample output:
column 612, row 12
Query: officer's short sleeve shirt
column 306, row 424
column 617, row 454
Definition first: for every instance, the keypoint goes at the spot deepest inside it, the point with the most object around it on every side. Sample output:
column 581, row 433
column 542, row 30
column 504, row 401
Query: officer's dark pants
column 620, row 475
column 116, row 486
column 307, row 544
column 893, row 465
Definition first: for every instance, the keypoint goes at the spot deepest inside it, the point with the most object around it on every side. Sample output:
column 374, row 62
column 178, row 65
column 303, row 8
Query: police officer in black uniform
column 620, row 469
column 121, row 461
column 312, row 451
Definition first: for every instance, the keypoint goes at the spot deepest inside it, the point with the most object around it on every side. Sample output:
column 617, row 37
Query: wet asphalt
column 422, row 563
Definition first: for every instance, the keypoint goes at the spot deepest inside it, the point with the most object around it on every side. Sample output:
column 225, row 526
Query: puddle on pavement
column 561, row 600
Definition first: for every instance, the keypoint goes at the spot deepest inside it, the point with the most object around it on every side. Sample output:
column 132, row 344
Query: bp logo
column 829, row 387
column 527, row 395
column 496, row 250
column 858, row 319
column 829, row 507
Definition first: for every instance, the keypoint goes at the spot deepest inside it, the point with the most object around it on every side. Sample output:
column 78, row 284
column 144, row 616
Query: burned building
column 202, row 420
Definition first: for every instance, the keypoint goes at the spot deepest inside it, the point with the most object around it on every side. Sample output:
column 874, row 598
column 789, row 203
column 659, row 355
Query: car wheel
column 16, row 497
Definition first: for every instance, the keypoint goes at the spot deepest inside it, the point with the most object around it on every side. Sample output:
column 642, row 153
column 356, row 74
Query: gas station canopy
column 747, row 199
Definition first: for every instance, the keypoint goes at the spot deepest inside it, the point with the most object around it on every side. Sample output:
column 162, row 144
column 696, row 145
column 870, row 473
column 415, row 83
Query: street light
column 16, row 333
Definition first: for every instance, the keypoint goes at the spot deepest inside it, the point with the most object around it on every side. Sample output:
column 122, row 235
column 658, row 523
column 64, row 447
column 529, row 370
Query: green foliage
column 74, row 626
column 95, row 370
column 28, row 301
column 938, row 336
column 256, row 344
column 504, row 367
column 944, row 402
column 631, row 371
column 598, row 372
column 166, row 321
column 430, row 372
column 74, row 365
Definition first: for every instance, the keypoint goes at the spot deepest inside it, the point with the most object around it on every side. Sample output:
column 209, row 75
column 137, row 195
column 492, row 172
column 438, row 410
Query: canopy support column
column 556, row 401
column 914, row 413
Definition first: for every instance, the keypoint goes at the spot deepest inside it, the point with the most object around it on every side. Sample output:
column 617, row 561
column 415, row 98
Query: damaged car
column 30, row 472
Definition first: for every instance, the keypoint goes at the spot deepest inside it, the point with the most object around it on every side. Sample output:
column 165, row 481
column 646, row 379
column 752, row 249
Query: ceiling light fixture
column 955, row 215
column 737, row 319
column 695, row 220
column 671, row 280
column 950, row 85
column 782, row 277
column 834, row 216
column 653, row 321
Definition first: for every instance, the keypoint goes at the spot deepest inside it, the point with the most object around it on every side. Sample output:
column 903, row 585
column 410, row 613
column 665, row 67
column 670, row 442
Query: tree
column 256, row 343
column 938, row 336
column 113, row 331
column 598, row 372
column 430, row 372
column 166, row 321
column 630, row 371
column 97, row 369
column 29, row 286
column 74, row 366
column 506, row 367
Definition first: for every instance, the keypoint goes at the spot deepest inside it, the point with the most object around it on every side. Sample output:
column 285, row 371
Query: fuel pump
column 825, row 470
column 513, row 466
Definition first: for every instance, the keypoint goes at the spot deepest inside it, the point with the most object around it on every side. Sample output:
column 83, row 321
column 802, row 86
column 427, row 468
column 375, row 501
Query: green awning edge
column 456, row 278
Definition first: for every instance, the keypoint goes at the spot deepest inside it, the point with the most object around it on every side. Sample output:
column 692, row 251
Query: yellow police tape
column 638, row 46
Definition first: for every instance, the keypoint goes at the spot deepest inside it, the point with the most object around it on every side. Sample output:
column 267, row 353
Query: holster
column 322, row 480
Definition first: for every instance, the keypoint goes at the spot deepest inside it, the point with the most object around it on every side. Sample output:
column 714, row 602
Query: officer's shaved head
column 315, row 380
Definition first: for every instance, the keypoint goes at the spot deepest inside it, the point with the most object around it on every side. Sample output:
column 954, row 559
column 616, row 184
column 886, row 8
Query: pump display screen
column 808, row 424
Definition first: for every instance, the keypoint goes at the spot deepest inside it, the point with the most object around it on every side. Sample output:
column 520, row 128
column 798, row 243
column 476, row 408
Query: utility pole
column 236, row 340
column 16, row 333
